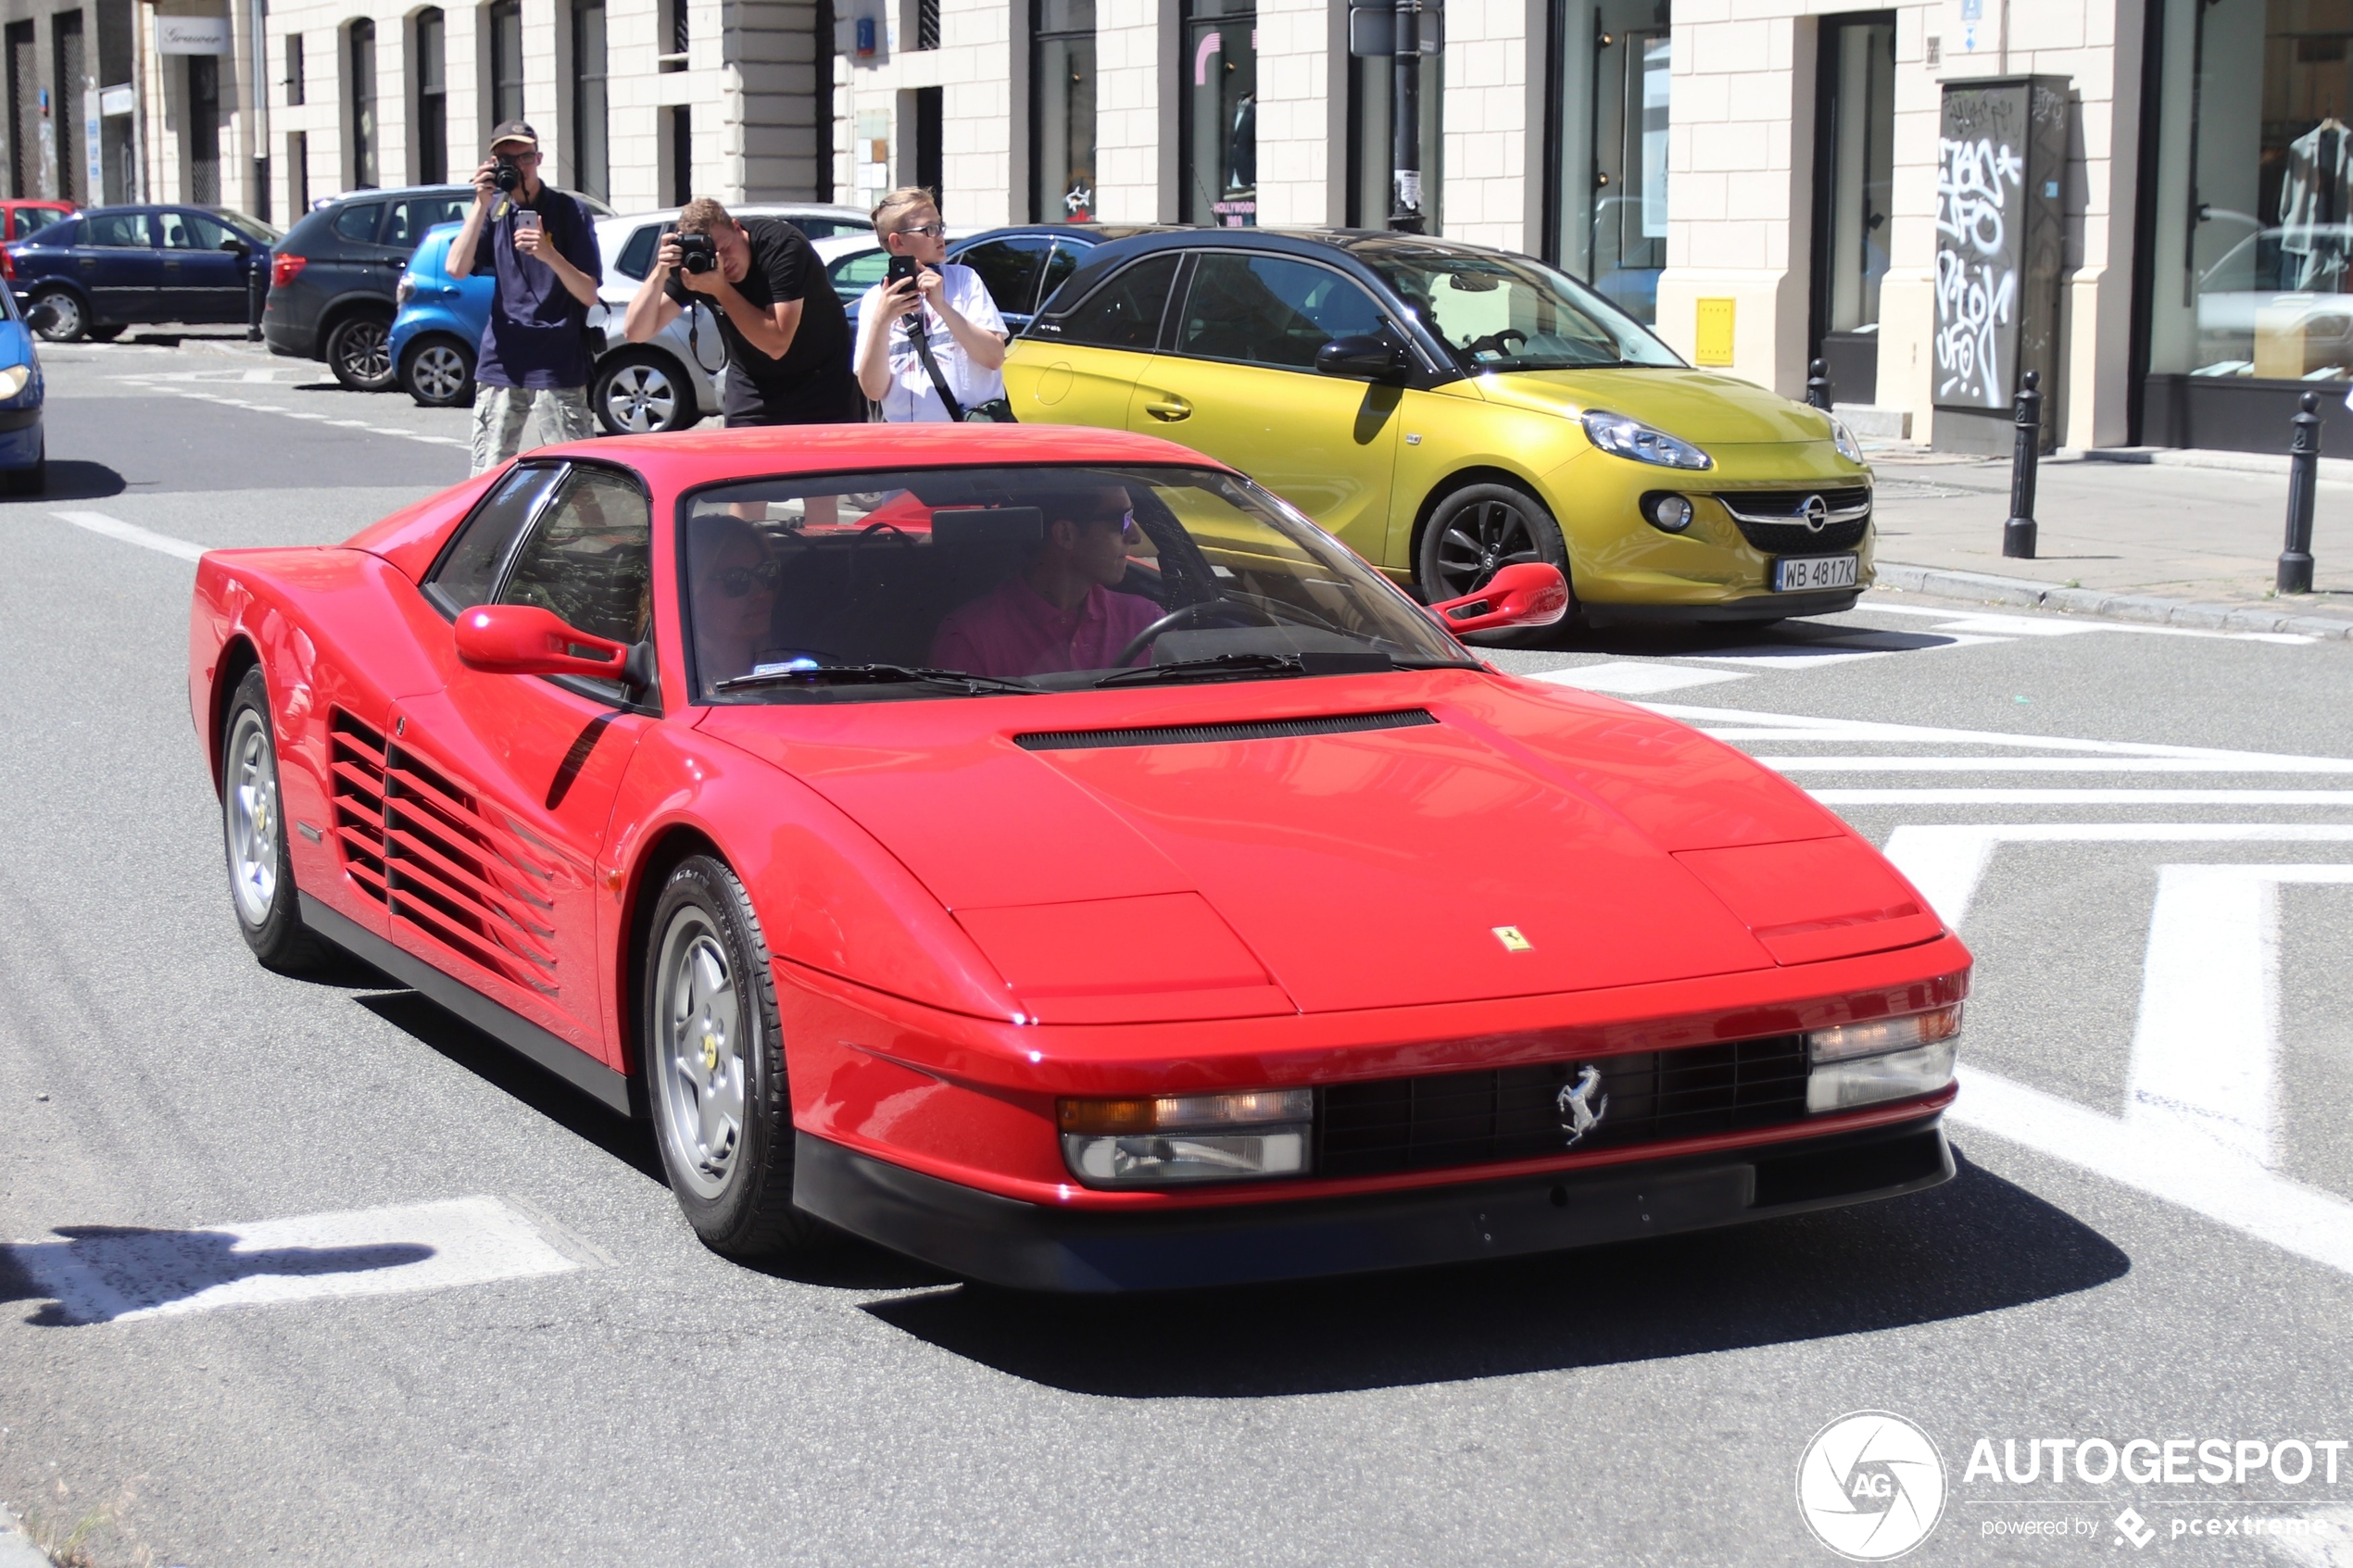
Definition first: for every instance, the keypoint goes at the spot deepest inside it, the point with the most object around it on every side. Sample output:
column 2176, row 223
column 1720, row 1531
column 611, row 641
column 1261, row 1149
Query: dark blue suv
column 95, row 273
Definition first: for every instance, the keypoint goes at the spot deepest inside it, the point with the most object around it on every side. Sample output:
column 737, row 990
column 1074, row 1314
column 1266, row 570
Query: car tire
column 106, row 332
column 438, row 371
column 640, row 391
column 359, row 352
column 69, row 317
column 253, row 831
column 1479, row 529
column 713, row 1053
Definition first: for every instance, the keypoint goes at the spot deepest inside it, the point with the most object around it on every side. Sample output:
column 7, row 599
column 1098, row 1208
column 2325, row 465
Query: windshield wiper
column 873, row 674
column 1249, row 666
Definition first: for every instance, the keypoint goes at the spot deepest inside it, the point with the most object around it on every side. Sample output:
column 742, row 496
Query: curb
column 2116, row 606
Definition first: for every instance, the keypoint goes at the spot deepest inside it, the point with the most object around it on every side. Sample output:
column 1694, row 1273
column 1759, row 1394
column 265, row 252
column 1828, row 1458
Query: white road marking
column 2056, row 765
column 1733, row 723
column 2039, row 626
column 1946, row 861
column 2084, row 797
column 1634, row 676
column 2196, row 1128
column 132, row 534
column 115, row 1275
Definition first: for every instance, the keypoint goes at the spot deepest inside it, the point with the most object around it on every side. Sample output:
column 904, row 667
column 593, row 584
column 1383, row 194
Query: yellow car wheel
column 1477, row 531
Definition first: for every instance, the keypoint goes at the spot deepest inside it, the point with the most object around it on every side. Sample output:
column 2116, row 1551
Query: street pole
column 2303, row 473
column 1405, row 109
column 2018, row 534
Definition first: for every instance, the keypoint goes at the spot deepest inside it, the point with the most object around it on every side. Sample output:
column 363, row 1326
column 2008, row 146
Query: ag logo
column 1871, row 1485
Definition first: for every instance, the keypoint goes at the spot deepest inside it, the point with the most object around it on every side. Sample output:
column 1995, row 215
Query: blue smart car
column 439, row 325
column 24, row 455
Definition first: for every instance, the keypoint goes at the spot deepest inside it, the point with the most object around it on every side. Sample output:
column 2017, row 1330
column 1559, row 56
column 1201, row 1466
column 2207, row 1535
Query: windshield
column 1507, row 313
column 983, row 581
column 251, row 224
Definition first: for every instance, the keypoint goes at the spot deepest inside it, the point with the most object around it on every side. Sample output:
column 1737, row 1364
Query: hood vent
column 1194, row 734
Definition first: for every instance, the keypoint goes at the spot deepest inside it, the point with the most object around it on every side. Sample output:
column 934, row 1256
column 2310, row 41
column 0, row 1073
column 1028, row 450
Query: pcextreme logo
column 1871, row 1485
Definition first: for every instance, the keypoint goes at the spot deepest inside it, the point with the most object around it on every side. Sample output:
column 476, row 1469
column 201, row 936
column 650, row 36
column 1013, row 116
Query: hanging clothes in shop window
column 2314, row 207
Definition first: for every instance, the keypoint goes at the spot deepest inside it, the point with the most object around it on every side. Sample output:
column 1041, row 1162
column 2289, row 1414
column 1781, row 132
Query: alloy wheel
column 704, row 1064
column 439, row 372
column 250, row 800
column 365, row 351
column 1477, row 542
column 640, row 398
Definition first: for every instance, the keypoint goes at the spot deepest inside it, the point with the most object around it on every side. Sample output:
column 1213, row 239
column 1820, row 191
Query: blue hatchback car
column 438, row 328
column 24, row 454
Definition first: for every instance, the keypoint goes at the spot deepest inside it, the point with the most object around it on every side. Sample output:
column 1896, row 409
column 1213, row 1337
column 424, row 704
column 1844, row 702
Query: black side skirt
column 559, row 1056
column 1032, row 1247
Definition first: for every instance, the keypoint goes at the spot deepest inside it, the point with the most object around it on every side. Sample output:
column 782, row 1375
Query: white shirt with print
column 911, row 398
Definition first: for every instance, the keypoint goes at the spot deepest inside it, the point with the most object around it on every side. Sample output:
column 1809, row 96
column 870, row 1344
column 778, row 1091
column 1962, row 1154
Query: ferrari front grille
column 1193, row 734
column 420, row 844
column 1394, row 1125
column 1776, row 521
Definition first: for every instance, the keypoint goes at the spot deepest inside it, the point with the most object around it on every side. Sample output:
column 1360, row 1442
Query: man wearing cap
column 535, row 358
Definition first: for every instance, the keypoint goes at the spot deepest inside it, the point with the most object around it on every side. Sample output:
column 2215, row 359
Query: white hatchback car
column 672, row 381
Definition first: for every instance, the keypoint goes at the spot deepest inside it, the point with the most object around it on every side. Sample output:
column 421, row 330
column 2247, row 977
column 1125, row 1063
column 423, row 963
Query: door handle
column 1167, row 406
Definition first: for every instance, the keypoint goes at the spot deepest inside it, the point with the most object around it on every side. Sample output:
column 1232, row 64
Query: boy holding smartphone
column 534, row 362
column 931, row 345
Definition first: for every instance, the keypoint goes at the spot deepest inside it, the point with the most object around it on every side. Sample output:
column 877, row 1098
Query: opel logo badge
column 1816, row 513
column 1582, row 1105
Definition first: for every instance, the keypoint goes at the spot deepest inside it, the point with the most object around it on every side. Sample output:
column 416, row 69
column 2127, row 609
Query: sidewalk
column 2192, row 538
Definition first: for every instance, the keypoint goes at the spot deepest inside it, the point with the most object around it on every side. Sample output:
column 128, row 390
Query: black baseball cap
column 515, row 131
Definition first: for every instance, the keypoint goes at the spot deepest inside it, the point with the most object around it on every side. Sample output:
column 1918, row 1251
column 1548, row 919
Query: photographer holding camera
column 931, row 345
column 535, row 358
column 788, row 340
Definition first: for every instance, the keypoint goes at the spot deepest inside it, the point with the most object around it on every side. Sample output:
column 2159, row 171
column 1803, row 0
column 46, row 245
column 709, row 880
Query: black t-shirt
column 812, row 384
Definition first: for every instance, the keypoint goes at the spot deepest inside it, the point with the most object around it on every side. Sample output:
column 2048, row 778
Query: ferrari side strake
column 1044, row 852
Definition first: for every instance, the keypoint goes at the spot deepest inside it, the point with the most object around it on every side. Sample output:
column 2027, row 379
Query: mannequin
column 2316, row 205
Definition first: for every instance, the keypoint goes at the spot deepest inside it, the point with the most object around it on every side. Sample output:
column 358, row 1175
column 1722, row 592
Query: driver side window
column 1271, row 311
column 589, row 559
column 468, row 572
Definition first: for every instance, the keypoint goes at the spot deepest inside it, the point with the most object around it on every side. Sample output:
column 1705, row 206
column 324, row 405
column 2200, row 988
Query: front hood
column 1375, row 869
column 1698, row 406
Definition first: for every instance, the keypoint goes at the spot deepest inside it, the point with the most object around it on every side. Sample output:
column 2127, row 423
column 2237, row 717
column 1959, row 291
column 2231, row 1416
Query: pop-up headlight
column 1176, row 1138
column 1886, row 1059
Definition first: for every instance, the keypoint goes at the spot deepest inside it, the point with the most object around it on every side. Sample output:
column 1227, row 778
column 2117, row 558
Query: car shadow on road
column 74, row 480
column 1979, row 1243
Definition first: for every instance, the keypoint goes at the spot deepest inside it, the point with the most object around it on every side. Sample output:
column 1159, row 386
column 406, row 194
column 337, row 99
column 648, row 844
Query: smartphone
column 525, row 218
column 901, row 267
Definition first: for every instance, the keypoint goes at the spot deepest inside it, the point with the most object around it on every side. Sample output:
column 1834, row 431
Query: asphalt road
column 2150, row 1237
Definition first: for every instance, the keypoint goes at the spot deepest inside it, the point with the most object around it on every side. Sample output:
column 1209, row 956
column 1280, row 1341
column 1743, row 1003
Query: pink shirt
column 1016, row 631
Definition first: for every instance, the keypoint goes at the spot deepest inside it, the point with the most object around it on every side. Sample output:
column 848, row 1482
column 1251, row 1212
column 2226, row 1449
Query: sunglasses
column 737, row 581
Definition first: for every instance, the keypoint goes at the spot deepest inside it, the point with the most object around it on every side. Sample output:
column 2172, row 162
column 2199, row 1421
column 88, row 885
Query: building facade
column 2148, row 202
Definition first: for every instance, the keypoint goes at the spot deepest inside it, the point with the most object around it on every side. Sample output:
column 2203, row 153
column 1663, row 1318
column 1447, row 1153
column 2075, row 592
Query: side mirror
column 526, row 640
column 1527, row 593
column 237, row 247
column 1365, row 358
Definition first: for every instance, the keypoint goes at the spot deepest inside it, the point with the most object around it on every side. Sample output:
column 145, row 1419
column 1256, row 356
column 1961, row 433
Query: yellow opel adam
column 1447, row 410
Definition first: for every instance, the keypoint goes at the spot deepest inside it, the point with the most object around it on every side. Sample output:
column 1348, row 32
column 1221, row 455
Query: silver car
column 672, row 381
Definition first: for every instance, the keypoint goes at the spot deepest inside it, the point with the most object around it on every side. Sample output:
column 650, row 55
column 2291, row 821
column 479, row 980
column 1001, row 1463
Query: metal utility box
column 2001, row 229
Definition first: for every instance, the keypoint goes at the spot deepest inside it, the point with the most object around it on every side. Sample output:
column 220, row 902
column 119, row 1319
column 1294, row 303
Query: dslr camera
column 697, row 253
column 508, row 176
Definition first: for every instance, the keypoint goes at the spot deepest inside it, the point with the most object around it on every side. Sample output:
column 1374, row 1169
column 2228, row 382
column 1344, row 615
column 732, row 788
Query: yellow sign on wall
column 1713, row 341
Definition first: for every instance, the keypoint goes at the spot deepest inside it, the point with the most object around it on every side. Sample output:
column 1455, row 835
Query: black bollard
column 1818, row 385
column 2018, row 534
column 257, row 285
column 2303, row 471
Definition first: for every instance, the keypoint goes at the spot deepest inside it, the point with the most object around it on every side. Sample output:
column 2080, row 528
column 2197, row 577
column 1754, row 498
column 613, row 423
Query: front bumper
column 1754, row 608
column 20, row 439
column 1032, row 1247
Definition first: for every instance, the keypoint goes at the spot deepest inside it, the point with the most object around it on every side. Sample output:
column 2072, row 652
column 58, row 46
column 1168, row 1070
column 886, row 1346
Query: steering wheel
column 1493, row 342
column 1181, row 614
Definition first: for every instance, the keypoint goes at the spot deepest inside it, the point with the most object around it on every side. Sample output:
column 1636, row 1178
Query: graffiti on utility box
column 2001, row 166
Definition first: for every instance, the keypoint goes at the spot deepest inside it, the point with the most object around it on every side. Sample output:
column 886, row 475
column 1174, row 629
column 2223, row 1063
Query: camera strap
column 917, row 335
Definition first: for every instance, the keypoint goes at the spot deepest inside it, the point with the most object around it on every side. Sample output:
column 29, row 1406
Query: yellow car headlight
column 1622, row 437
column 1844, row 439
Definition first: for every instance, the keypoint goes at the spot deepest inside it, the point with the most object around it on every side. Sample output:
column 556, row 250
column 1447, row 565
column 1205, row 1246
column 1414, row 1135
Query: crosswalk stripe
column 2297, row 797
column 132, row 534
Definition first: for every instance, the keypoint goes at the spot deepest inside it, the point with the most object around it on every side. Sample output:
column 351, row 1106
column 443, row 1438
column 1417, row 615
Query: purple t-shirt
column 1016, row 632
column 538, row 333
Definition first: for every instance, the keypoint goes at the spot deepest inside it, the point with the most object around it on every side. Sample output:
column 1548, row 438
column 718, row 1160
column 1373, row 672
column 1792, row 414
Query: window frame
column 1179, row 284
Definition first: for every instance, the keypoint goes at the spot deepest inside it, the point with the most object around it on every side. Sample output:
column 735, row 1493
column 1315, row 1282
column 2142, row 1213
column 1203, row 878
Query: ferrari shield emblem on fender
column 1512, row 940
column 1582, row 1106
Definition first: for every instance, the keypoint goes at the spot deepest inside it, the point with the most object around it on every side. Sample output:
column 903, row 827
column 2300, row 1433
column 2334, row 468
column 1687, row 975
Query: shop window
column 506, row 61
column 361, row 120
column 1062, row 119
column 431, row 72
column 1612, row 63
column 1219, row 147
column 2251, row 271
column 590, row 124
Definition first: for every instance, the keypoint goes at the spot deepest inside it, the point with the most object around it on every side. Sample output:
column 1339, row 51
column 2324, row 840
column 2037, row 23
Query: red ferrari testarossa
column 1043, row 852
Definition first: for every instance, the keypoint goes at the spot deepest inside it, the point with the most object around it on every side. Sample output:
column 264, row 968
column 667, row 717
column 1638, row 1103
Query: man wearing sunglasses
column 933, row 330
column 1064, row 611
